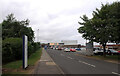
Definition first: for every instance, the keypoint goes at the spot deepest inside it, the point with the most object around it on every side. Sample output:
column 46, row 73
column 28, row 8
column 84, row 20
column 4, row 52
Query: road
column 72, row 63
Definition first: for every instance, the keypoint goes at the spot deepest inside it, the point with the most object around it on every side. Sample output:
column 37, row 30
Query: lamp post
column 37, row 35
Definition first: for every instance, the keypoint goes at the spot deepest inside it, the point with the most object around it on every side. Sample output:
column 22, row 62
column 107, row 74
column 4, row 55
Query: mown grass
column 109, row 57
column 34, row 57
column 31, row 61
column 13, row 65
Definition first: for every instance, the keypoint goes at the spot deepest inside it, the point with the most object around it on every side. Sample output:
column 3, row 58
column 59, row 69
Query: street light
column 37, row 35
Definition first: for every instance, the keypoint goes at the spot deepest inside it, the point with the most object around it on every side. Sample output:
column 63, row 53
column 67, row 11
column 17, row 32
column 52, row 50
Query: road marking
column 62, row 55
column 86, row 63
column 69, row 57
column 116, row 73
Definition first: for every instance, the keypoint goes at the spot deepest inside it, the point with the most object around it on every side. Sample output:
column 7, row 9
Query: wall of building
column 69, row 42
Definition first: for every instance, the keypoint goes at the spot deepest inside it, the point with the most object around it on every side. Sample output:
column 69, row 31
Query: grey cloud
column 55, row 21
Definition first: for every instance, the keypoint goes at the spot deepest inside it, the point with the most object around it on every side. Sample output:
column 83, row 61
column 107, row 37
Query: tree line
column 104, row 26
column 12, row 33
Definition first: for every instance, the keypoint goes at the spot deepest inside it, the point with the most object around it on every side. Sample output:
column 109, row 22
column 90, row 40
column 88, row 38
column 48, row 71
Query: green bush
column 32, row 47
column 11, row 49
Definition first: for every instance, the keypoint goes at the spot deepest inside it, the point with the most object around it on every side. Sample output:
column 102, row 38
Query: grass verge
column 108, row 57
column 16, row 66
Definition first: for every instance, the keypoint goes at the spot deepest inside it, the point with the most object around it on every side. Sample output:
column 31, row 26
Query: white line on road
column 116, row 73
column 69, row 57
column 86, row 63
column 62, row 55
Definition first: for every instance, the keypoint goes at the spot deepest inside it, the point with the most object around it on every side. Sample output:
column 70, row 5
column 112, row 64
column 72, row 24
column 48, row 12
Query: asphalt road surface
column 72, row 63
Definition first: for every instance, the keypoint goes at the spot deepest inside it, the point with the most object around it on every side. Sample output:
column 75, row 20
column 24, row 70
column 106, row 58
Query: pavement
column 47, row 66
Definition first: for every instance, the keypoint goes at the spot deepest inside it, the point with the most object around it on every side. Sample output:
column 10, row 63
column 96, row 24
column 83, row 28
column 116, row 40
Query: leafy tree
column 104, row 25
column 14, row 28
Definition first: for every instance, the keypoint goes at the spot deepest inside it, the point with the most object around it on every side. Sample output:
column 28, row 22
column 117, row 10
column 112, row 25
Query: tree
column 104, row 25
column 14, row 28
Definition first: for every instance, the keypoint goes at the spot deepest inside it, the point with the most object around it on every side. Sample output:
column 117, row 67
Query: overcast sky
column 56, row 19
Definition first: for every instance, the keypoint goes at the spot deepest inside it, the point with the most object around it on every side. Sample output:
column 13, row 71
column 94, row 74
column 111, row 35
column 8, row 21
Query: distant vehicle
column 59, row 48
column 96, row 48
column 98, row 51
column 112, row 52
column 78, row 49
column 51, row 47
column 67, row 50
column 82, row 49
column 118, row 51
column 56, row 48
column 62, row 48
column 72, row 50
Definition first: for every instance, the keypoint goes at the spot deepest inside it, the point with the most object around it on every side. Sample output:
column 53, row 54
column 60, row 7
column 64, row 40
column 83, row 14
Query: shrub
column 32, row 47
column 11, row 49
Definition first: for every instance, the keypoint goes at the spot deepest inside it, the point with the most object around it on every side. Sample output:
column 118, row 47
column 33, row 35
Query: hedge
column 12, row 49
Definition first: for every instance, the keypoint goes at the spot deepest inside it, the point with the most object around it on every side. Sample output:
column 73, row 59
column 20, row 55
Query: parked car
column 112, row 52
column 62, row 48
column 67, row 50
column 56, row 48
column 119, row 52
column 51, row 47
column 83, row 49
column 59, row 48
column 78, row 49
column 98, row 51
column 72, row 50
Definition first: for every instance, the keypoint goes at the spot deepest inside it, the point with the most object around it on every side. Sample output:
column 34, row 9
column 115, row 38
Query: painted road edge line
column 69, row 57
column 86, row 63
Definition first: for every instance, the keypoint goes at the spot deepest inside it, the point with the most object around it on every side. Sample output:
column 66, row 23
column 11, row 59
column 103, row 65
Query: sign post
column 25, row 52
column 89, row 48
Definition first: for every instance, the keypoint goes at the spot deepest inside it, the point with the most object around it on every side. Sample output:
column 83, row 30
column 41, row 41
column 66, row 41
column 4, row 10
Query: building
column 66, row 43
column 70, row 43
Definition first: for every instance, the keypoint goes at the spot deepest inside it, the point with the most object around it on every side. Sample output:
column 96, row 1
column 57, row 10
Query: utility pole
column 37, row 35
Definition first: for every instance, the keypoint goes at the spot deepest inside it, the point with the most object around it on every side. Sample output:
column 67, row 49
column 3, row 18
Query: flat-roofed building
column 69, row 42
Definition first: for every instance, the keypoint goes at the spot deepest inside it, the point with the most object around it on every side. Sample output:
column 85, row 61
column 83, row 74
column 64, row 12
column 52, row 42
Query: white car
column 67, row 50
column 98, row 52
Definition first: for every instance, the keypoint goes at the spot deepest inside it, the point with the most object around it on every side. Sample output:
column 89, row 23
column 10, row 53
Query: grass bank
column 16, row 66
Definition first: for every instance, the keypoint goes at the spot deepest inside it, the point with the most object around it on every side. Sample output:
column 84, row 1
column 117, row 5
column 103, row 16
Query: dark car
column 78, row 49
